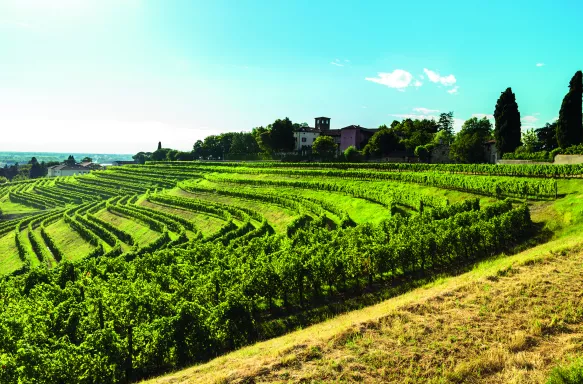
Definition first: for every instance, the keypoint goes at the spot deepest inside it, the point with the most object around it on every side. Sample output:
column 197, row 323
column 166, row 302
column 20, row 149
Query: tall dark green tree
column 547, row 136
column 159, row 145
column 570, row 124
column 70, row 161
column 446, row 122
column 507, row 127
column 36, row 170
column 282, row 135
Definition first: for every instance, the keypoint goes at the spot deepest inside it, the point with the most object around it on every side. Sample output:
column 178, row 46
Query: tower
column 322, row 123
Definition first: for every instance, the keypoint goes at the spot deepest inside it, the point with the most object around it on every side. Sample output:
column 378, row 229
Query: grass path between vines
column 511, row 319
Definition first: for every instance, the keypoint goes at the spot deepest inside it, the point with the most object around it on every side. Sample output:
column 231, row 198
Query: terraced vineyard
column 130, row 272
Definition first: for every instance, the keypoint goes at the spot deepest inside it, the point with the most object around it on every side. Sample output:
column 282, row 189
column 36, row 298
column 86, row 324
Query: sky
column 117, row 76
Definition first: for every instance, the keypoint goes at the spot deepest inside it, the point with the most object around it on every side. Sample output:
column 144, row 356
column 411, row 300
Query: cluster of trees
column 562, row 136
column 261, row 142
column 409, row 137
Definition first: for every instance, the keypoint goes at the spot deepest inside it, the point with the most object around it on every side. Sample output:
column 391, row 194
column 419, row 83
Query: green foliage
column 325, row 147
column 570, row 123
column 382, row 143
column 571, row 374
column 507, row 127
column 423, row 152
column 547, row 137
column 520, row 154
column 351, row 154
column 127, row 313
column 468, row 146
column 530, row 141
column 446, row 123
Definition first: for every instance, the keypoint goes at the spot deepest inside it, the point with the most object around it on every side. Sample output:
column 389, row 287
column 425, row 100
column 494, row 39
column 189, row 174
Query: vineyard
column 131, row 272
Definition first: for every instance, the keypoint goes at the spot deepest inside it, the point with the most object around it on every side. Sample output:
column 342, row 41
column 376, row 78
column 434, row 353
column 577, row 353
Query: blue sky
column 120, row 75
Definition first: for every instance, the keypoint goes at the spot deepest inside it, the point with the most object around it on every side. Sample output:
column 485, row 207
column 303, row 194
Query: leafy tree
column 507, row 117
column 142, row 157
column 352, row 155
column 70, row 161
column 468, row 146
column 570, row 124
column 383, row 142
column 446, row 122
column 36, row 169
column 184, row 156
column 159, row 145
column 530, row 141
column 423, row 153
column 547, row 137
column 443, row 137
column 160, row 154
column 282, row 135
column 171, row 154
column 325, row 147
column 243, row 143
column 416, row 132
column 212, row 148
column 3, row 180
column 197, row 150
column 86, row 159
column 297, row 126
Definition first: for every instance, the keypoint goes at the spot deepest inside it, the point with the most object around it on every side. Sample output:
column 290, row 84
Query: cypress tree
column 507, row 119
column 159, row 145
column 570, row 123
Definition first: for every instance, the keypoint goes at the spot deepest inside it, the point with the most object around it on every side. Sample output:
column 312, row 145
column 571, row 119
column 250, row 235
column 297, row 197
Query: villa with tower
column 354, row 135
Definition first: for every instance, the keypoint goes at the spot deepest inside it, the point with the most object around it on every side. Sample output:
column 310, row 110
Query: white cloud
column 415, row 116
column 454, row 90
column 480, row 115
column 398, row 79
column 425, row 111
column 540, row 64
column 417, row 84
column 457, row 124
column 530, row 119
column 434, row 77
column 337, row 63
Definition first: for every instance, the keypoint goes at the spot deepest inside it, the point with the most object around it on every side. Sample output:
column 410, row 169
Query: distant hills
column 24, row 157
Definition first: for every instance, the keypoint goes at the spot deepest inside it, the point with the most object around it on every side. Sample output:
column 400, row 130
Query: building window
column 303, row 139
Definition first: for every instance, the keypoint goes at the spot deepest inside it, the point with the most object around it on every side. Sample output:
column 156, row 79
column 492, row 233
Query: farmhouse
column 305, row 137
column 67, row 170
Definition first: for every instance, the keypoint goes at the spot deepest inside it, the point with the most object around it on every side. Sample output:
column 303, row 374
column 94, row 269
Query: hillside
column 132, row 272
column 511, row 320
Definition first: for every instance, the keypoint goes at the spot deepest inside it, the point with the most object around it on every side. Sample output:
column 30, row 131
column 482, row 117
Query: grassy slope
column 10, row 208
column 277, row 216
column 510, row 319
column 207, row 224
column 9, row 260
column 141, row 233
column 68, row 241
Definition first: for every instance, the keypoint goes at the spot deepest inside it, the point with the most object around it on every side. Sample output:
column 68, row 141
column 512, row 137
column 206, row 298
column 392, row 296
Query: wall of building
column 348, row 137
column 309, row 136
column 440, row 154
